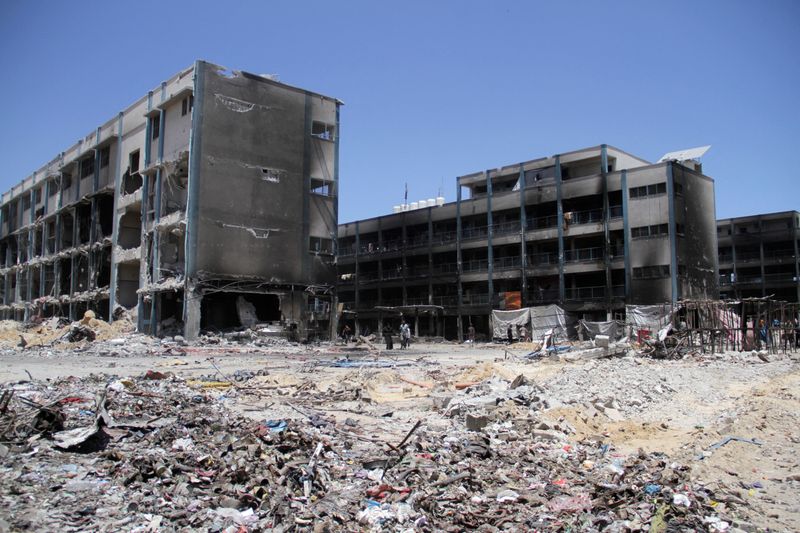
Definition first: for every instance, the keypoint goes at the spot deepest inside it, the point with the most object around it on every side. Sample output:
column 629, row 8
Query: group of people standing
column 405, row 336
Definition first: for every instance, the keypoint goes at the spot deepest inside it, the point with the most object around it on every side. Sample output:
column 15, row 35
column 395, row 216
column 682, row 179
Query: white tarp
column 502, row 319
column 549, row 317
column 652, row 318
column 539, row 320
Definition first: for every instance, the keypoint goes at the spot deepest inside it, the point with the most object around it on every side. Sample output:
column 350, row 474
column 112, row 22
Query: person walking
column 510, row 334
column 405, row 335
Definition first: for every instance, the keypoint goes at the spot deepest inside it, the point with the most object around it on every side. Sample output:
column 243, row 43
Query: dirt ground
column 681, row 408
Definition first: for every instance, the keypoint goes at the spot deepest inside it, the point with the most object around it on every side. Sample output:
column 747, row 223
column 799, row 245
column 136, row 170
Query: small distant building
column 209, row 202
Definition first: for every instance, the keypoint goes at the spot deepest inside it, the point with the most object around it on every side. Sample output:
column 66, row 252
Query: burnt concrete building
column 590, row 230
column 208, row 203
column 758, row 256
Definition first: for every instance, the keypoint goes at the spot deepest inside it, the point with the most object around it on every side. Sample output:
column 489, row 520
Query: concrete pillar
column 560, row 224
column 460, row 303
column 192, row 303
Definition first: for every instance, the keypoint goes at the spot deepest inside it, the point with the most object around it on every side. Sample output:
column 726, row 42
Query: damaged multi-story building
column 590, row 230
column 759, row 256
column 210, row 202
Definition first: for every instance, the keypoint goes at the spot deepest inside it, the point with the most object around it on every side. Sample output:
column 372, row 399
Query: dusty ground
column 678, row 407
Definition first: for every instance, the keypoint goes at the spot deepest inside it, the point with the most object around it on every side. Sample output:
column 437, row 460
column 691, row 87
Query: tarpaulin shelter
column 502, row 319
column 593, row 329
column 647, row 319
column 539, row 320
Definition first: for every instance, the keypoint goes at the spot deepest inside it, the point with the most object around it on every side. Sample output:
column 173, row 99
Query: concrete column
column 112, row 288
column 430, row 258
column 192, row 304
column 673, row 244
column 733, row 260
column 403, row 262
column 523, row 252
column 761, row 257
column 796, row 255
column 606, row 230
column 459, row 265
column 379, row 291
column 489, row 235
column 560, row 222
column 626, row 234
column 357, row 280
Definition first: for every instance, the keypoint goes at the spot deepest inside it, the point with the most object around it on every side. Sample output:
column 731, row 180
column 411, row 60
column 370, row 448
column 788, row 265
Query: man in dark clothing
column 387, row 336
column 510, row 333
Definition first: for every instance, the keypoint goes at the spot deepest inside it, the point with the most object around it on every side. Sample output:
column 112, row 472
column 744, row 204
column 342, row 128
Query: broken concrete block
column 613, row 414
column 477, row 423
column 601, row 341
column 546, row 435
column 441, row 402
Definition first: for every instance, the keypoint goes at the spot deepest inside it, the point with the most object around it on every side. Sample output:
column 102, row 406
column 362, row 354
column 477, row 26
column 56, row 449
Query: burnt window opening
column 321, row 245
column 127, row 284
column 67, row 223
column 83, row 215
column 678, row 189
column 105, row 215
column 66, row 182
column 321, row 187
column 130, row 230
column 37, row 195
column 651, row 272
column 648, row 190
column 131, row 183
column 225, row 310
column 87, row 167
column 133, row 162
column 658, row 230
column 155, row 128
column 322, row 130
column 105, row 156
column 187, row 104
column 104, row 269
column 64, row 276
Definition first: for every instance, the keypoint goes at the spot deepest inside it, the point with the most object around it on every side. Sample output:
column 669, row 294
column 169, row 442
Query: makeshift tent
column 502, row 319
column 539, row 321
column 593, row 329
column 648, row 319
column 547, row 317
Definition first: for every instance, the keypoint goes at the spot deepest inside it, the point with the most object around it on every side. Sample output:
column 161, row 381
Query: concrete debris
column 244, row 430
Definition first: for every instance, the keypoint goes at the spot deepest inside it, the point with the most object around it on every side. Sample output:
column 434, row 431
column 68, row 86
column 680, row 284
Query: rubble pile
column 155, row 452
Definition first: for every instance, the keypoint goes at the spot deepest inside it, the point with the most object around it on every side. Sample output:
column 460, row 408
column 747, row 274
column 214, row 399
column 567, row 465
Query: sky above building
column 434, row 90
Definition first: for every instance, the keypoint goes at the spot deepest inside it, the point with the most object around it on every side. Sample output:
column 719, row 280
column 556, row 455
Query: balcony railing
column 585, row 294
column 475, row 299
column 540, row 259
column 581, row 255
column 549, row 221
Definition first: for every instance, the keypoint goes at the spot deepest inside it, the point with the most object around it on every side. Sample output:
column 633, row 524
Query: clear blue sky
column 434, row 90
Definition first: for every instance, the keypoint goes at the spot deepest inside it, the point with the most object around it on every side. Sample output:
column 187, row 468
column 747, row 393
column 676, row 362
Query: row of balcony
column 781, row 277
column 755, row 256
column 593, row 216
column 577, row 255
column 542, row 296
